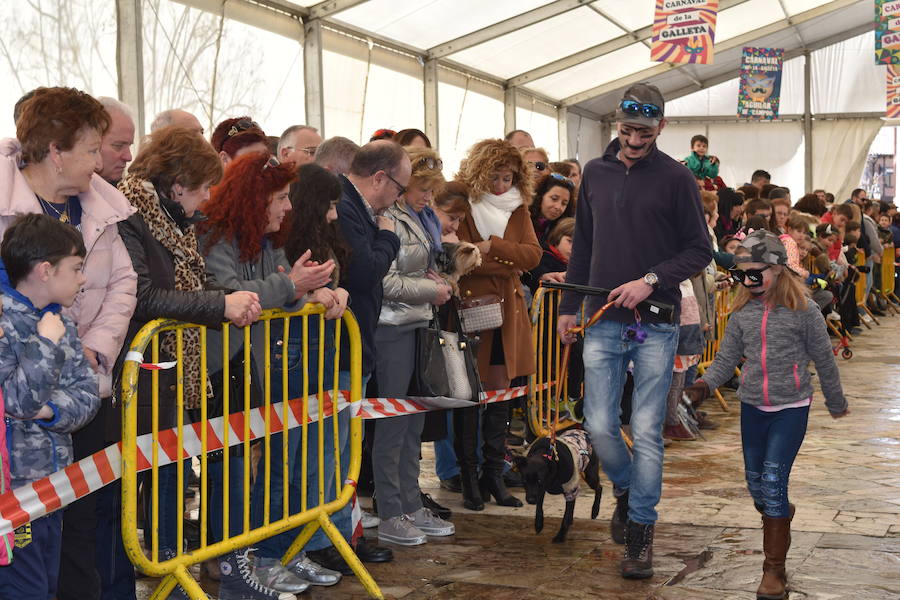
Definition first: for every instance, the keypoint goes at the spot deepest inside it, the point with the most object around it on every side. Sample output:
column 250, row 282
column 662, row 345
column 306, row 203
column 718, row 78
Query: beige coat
column 517, row 251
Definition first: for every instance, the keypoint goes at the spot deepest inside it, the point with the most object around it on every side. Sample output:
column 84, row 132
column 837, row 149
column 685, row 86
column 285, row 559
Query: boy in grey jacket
column 779, row 330
column 49, row 389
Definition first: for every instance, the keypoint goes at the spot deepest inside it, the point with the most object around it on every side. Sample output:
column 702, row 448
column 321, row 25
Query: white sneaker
column 400, row 530
column 369, row 520
column 833, row 316
column 430, row 524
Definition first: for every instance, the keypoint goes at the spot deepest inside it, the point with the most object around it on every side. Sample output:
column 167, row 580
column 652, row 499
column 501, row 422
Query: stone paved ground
column 846, row 541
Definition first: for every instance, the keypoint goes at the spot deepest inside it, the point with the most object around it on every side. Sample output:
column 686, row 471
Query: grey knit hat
column 764, row 247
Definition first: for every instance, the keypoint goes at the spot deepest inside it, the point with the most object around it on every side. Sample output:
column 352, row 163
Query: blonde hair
column 789, row 291
column 489, row 156
column 540, row 151
column 422, row 176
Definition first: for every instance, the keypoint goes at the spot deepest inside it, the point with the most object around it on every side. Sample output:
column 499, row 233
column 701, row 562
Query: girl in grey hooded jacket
column 778, row 330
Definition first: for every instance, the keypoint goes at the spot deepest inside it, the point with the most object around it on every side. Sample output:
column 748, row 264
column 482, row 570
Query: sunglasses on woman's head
column 633, row 108
column 428, row 163
column 272, row 162
column 752, row 275
column 560, row 177
column 242, row 126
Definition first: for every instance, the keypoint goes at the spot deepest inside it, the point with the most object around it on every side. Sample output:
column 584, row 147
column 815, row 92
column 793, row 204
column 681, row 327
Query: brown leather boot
column 776, row 542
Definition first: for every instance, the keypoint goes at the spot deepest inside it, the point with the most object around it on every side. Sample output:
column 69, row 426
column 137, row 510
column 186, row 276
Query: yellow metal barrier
column 861, row 291
column 723, row 298
column 314, row 514
column 548, row 358
column 888, row 283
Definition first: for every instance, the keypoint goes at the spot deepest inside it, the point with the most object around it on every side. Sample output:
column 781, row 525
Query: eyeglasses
column 754, row 275
column 633, row 108
column 401, row 188
column 272, row 162
column 242, row 126
column 428, row 163
column 540, row 166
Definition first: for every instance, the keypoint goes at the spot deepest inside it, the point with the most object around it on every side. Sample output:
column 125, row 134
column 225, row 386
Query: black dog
column 549, row 470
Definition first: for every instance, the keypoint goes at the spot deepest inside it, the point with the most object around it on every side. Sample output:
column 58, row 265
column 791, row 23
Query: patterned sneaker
column 430, row 524
column 271, row 573
column 400, row 530
column 239, row 583
column 307, row 570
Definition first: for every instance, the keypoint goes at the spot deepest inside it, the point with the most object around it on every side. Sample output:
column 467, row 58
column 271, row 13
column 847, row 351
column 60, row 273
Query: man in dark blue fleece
column 639, row 231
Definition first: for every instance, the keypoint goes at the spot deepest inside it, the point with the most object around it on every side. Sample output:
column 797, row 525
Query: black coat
column 158, row 298
column 372, row 251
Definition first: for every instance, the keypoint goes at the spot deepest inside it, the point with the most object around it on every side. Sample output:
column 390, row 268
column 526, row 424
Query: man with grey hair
column 298, row 144
column 115, row 148
column 336, row 154
column 177, row 117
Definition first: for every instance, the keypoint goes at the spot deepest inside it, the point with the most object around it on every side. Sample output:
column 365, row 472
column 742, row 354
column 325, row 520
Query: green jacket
column 701, row 167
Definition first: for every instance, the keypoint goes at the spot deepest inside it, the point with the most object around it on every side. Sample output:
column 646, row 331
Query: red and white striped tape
column 28, row 503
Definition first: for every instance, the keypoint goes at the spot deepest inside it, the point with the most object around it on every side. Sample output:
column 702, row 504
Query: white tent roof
column 578, row 53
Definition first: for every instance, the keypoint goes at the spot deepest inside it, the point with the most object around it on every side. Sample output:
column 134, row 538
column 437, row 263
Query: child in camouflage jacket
column 49, row 389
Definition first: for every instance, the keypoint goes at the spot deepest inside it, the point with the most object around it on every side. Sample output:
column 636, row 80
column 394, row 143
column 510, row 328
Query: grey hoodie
column 778, row 344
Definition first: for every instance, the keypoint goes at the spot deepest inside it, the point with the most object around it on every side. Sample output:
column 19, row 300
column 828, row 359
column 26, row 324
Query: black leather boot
column 465, row 439
column 493, row 435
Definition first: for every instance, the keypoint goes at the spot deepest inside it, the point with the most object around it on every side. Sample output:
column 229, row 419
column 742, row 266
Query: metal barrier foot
column 350, row 557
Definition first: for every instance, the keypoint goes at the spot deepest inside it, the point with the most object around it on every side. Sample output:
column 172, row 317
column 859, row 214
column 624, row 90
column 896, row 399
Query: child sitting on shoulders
column 704, row 167
column 49, row 388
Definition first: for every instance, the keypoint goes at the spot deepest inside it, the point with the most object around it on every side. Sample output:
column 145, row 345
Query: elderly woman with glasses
column 412, row 288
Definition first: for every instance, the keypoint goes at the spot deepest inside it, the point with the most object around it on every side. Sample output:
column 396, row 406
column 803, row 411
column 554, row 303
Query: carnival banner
column 887, row 32
column 893, row 92
column 760, row 92
column 684, row 31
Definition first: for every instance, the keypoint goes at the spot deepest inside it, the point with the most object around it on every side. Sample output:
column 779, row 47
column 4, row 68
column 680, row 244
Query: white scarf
column 491, row 213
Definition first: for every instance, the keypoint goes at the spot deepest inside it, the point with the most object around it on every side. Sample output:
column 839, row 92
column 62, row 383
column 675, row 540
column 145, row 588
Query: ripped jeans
column 771, row 441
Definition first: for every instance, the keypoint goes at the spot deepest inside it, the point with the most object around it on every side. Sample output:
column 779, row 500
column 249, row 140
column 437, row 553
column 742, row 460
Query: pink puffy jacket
column 103, row 308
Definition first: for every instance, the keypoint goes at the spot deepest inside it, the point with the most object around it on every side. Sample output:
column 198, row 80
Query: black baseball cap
column 642, row 93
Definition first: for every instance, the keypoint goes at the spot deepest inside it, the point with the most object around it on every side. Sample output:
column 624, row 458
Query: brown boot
column 776, row 541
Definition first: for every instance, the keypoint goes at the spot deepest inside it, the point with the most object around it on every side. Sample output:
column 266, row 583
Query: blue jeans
column 771, row 441
column 445, row 465
column 167, row 497
column 216, row 485
column 276, row 546
column 606, row 357
column 33, row 572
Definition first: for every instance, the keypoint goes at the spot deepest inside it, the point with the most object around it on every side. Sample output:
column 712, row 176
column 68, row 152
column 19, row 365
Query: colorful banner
column 684, row 31
column 760, row 93
column 893, row 92
column 887, row 32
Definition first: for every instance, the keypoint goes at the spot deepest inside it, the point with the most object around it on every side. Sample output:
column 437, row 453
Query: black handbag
column 445, row 363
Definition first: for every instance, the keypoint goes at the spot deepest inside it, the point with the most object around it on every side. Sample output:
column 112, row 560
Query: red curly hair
column 237, row 208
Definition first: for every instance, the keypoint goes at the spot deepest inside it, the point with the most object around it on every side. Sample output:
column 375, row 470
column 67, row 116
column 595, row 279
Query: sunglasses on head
column 635, row 109
column 272, row 162
column 560, row 177
column 754, row 276
column 434, row 164
column 242, row 126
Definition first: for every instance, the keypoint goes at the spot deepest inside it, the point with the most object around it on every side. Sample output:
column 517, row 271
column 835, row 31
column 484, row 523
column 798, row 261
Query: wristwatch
column 651, row 279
